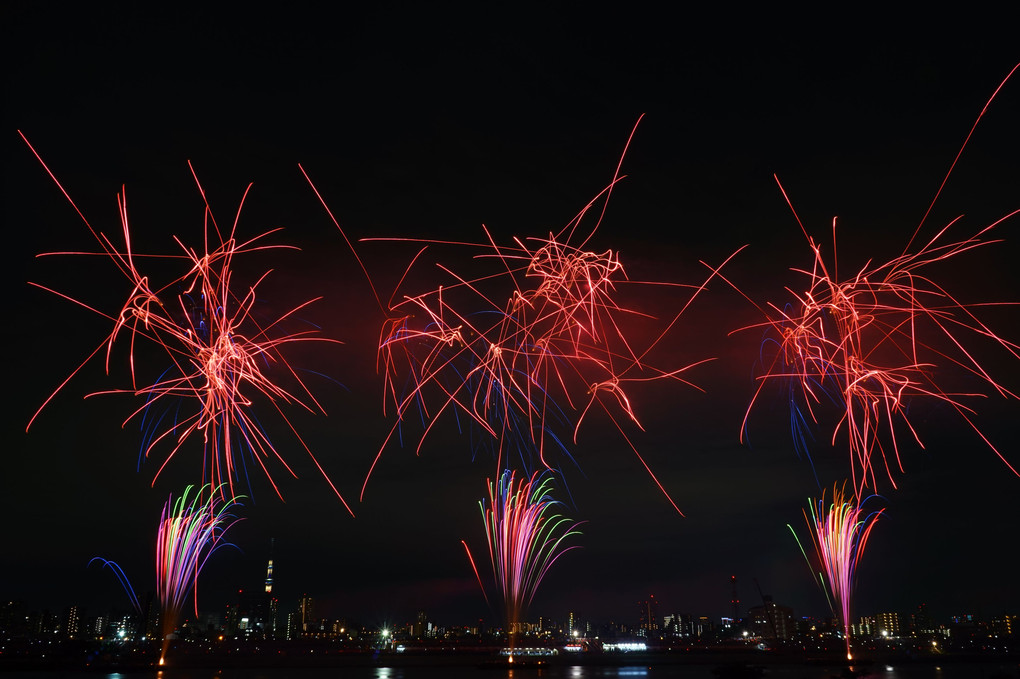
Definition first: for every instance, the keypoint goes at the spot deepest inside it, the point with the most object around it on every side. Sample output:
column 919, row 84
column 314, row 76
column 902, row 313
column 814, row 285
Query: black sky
column 429, row 123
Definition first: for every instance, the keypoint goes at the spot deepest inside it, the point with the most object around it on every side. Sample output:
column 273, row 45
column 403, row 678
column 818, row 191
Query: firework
column 123, row 579
column 875, row 341
column 526, row 373
column 524, row 352
column 525, row 536
column 190, row 530
column 839, row 535
column 219, row 353
column 858, row 344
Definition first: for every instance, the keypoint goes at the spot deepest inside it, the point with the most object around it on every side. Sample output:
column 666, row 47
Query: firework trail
column 219, row 353
column 557, row 345
column 514, row 350
column 839, row 535
column 525, row 538
column 122, row 578
column 873, row 342
column 516, row 369
column 190, row 530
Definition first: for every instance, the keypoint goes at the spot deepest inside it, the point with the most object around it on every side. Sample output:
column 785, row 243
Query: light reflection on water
column 389, row 673
column 1010, row 669
column 962, row 671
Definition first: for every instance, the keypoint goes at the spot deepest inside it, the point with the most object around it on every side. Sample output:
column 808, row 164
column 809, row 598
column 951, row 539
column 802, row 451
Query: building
column 152, row 616
column 1004, row 626
column 921, row 622
column 771, row 621
column 272, row 617
column 866, row 628
column 72, row 622
column 293, row 629
column 305, row 608
column 702, row 626
column 888, row 624
column 421, row 626
column 648, row 622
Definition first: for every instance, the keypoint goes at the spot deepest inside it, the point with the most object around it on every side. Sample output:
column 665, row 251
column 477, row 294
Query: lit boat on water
column 523, row 657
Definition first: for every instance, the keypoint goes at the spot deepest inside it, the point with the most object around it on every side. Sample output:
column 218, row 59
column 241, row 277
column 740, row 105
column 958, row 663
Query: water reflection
column 469, row 670
column 583, row 672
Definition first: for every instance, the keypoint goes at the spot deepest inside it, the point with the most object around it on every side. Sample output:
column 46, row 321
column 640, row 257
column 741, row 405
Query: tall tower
column 734, row 600
column 271, row 603
column 269, row 568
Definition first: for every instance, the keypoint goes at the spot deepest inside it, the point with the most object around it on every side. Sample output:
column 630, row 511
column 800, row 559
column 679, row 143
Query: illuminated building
column 648, row 624
column 888, row 624
column 865, row 628
column 307, row 624
column 72, row 620
column 771, row 620
column 97, row 626
column 1004, row 626
column 274, row 614
column 293, row 630
column 679, row 625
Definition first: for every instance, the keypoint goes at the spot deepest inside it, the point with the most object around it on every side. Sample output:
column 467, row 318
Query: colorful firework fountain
column 839, row 535
column 190, row 530
column 525, row 538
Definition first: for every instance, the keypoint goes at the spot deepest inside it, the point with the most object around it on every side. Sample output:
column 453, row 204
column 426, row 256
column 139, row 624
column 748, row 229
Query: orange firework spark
column 219, row 352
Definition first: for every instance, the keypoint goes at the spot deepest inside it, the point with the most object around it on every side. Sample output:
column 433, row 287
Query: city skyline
column 252, row 616
column 405, row 135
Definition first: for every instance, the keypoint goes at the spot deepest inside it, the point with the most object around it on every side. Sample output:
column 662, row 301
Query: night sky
column 429, row 123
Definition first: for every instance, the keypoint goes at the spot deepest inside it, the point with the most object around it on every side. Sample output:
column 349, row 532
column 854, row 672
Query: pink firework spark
column 190, row 530
column 839, row 534
column 525, row 537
